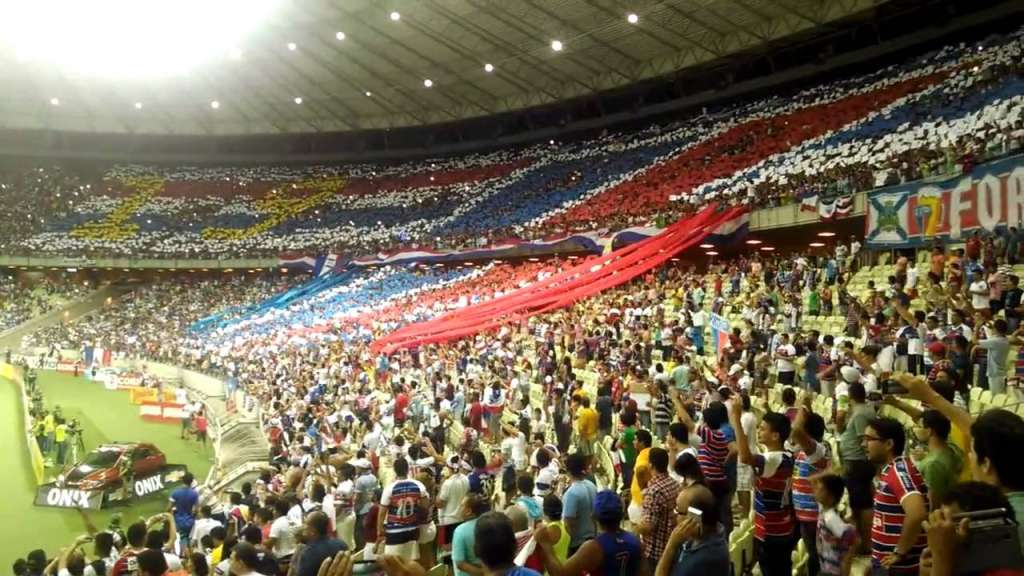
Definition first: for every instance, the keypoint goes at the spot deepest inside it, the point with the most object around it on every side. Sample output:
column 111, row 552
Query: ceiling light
column 767, row 248
column 753, row 242
column 556, row 45
column 90, row 38
column 632, row 18
column 711, row 253
column 138, row 105
column 298, row 99
column 368, row 93
column 215, row 104
column 428, row 82
column 340, row 35
column 826, row 234
column 292, row 46
column 817, row 244
column 55, row 101
column 395, row 16
column 707, row 246
column 488, row 67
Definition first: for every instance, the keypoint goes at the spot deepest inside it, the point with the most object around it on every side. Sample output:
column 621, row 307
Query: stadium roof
column 343, row 65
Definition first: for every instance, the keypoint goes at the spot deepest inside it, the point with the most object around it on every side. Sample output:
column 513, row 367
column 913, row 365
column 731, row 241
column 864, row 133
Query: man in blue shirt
column 696, row 547
column 578, row 503
column 184, row 500
column 318, row 546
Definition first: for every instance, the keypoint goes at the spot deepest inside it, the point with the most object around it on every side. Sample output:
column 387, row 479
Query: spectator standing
column 813, row 458
column 940, row 466
column 319, row 546
column 401, row 502
column 900, row 501
column 659, row 503
column 835, row 538
column 183, row 503
column 495, row 546
column 695, row 548
column 852, row 419
column 773, row 469
column 449, row 501
column 578, row 503
column 464, row 559
column 613, row 552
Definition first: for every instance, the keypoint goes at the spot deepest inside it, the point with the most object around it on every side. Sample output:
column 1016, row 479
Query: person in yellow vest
column 641, row 474
column 50, row 428
column 60, row 436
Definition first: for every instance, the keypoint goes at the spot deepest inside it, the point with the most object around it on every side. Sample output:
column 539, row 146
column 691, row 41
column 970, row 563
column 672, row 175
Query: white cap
column 735, row 369
column 849, row 374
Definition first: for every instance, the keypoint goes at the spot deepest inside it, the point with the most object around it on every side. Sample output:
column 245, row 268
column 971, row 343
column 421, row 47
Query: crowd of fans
column 19, row 303
column 935, row 116
column 612, row 436
column 147, row 322
column 616, row 436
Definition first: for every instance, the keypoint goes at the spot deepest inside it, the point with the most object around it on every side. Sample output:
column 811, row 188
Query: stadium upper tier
column 925, row 116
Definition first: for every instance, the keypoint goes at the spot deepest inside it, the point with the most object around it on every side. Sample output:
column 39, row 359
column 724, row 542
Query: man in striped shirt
column 715, row 446
column 773, row 512
column 402, row 502
column 901, row 501
column 813, row 458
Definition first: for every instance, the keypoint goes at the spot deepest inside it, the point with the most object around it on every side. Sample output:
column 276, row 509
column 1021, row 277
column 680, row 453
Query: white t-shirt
column 784, row 358
column 453, row 490
column 283, row 533
column 201, row 528
column 749, row 423
column 979, row 300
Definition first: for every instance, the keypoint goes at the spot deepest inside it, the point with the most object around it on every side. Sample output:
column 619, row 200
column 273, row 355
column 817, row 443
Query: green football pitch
column 106, row 416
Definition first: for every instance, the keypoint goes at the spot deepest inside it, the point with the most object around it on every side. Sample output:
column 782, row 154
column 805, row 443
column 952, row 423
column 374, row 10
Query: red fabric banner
column 563, row 289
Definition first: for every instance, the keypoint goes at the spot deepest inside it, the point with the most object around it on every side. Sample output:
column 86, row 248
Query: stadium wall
column 13, row 374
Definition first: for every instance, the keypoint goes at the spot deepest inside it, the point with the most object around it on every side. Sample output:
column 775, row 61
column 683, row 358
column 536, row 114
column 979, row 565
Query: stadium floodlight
column 292, row 46
column 298, row 99
column 632, row 18
column 488, row 67
column 340, row 35
column 138, row 105
column 215, row 104
column 395, row 16
column 556, row 45
column 428, row 82
column 55, row 101
column 126, row 38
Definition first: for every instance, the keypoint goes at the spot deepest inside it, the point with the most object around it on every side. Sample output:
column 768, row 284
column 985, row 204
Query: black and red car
column 101, row 468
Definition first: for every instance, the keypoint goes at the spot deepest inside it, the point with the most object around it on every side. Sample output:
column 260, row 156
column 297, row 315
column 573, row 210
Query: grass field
column 106, row 416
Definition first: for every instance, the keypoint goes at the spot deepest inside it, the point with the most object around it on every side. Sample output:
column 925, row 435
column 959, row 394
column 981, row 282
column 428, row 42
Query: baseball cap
column 607, row 506
column 735, row 369
column 937, row 348
column 849, row 374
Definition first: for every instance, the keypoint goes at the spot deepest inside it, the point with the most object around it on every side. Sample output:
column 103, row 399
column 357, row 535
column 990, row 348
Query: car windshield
column 102, row 458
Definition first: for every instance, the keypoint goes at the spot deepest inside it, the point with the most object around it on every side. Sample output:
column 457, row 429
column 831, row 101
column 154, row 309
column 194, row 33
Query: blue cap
column 607, row 506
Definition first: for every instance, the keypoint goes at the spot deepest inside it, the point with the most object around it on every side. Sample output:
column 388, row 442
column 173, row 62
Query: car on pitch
column 101, row 468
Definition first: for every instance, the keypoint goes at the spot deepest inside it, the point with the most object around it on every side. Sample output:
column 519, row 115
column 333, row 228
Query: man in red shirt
column 476, row 413
column 401, row 405
column 201, row 425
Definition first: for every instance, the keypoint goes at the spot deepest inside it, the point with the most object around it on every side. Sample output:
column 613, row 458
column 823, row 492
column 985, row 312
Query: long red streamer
column 563, row 289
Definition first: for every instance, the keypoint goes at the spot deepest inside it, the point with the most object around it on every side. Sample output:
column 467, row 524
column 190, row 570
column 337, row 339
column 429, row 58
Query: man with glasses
column 900, row 501
column 697, row 546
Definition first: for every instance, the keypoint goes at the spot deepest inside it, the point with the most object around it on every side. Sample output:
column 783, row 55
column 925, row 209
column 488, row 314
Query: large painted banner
column 916, row 214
